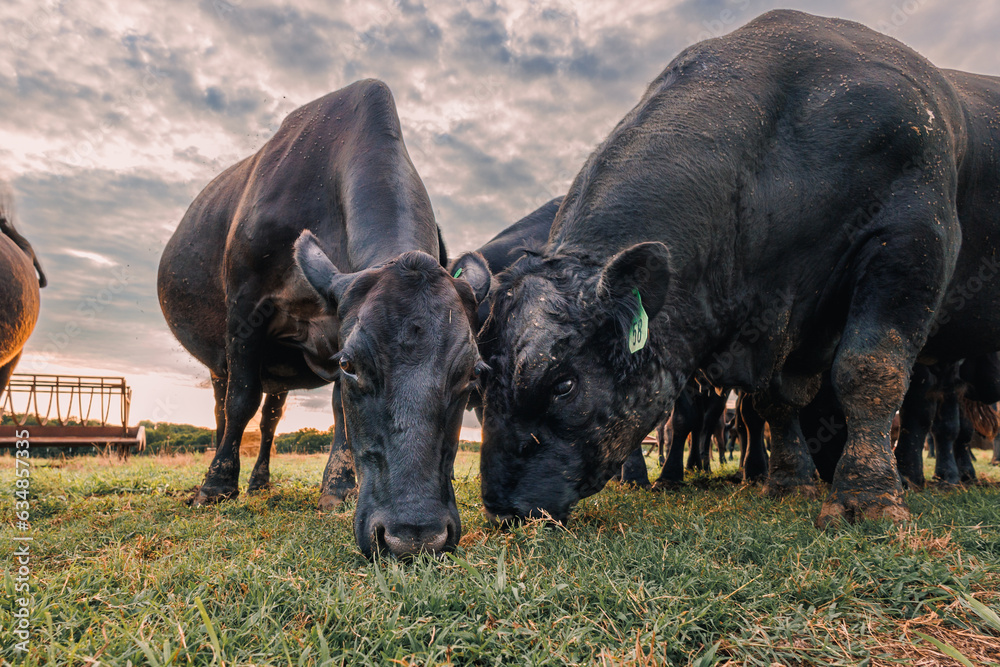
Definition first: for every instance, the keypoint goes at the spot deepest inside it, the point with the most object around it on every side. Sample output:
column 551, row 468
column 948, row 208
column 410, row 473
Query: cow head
column 408, row 361
column 567, row 397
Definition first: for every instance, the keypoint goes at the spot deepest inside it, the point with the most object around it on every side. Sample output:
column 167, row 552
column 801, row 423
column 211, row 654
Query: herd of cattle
column 804, row 210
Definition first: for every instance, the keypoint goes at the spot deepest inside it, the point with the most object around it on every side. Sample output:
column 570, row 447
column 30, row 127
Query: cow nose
column 407, row 540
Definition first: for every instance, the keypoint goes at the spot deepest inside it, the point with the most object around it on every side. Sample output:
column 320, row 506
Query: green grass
column 713, row 574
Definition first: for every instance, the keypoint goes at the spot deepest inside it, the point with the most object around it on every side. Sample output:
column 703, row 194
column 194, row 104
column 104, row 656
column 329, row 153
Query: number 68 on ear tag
column 638, row 333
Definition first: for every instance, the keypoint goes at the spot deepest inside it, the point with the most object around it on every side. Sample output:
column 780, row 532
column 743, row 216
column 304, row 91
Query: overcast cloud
column 117, row 114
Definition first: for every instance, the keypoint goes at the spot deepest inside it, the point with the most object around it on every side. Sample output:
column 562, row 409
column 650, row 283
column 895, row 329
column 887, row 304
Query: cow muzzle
column 405, row 539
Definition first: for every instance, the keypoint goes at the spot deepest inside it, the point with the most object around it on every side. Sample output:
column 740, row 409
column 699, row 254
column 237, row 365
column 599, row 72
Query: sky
column 116, row 114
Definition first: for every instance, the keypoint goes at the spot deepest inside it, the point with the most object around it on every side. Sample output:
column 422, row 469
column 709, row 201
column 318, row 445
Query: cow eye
column 347, row 365
column 563, row 387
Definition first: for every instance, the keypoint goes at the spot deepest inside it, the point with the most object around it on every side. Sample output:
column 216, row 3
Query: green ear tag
column 638, row 334
column 458, row 273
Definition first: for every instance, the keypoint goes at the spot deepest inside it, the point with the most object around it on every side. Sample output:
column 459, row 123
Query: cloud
column 117, row 114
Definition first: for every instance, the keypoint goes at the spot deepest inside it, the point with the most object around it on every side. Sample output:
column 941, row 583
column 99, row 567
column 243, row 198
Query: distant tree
column 304, row 441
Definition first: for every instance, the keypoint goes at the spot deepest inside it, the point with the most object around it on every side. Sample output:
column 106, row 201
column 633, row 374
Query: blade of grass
column 212, row 637
column 947, row 649
column 984, row 612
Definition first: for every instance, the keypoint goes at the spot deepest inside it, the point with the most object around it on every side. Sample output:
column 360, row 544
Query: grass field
column 713, row 574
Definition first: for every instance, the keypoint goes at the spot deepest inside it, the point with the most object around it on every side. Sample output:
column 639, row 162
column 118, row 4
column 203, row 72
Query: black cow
column 527, row 236
column 787, row 200
column 19, row 286
column 318, row 260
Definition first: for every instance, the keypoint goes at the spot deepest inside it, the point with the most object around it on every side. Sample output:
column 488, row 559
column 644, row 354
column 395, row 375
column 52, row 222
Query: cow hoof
column 331, row 501
column 839, row 510
column 212, row 494
column 774, row 489
column 666, row 485
column 256, row 486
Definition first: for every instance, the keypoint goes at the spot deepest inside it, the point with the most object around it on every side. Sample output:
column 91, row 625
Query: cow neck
column 383, row 223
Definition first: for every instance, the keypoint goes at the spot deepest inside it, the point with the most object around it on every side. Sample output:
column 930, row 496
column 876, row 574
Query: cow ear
column 472, row 268
column 319, row 271
column 645, row 267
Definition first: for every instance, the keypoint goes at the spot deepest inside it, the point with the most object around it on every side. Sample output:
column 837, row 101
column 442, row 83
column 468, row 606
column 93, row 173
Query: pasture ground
column 122, row 572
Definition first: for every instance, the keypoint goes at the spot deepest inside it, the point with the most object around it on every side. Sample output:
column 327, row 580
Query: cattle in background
column 942, row 399
column 318, row 260
column 19, row 287
column 795, row 198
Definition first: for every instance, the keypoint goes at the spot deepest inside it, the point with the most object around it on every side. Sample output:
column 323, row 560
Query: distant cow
column 19, row 286
column 800, row 196
column 318, row 260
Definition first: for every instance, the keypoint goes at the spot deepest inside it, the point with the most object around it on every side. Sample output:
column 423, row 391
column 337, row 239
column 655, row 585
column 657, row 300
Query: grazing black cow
column 318, row 260
column 787, row 200
column 18, row 293
column 528, row 235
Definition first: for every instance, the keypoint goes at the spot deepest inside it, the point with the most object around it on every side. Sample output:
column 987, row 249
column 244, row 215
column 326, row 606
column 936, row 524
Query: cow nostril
column 411, row 541
column 379, row 545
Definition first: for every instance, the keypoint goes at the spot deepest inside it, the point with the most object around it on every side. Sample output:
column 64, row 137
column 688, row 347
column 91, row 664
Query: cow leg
column 246, row 326
column 825, row 431
column 661, row 440
column 755, row 460
column 243, row 395
column 713, row 417
column 881, row 337
column 681, row 424
column 634, row 470
column 338, row 476
column 791, row 468
column 945, row 431
column 704, row 448
column 963, row 450
column 219, row 383
column 274, row 406
column 915, row 418
column 696, row 424
column 720, row 441
column 995, row 461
